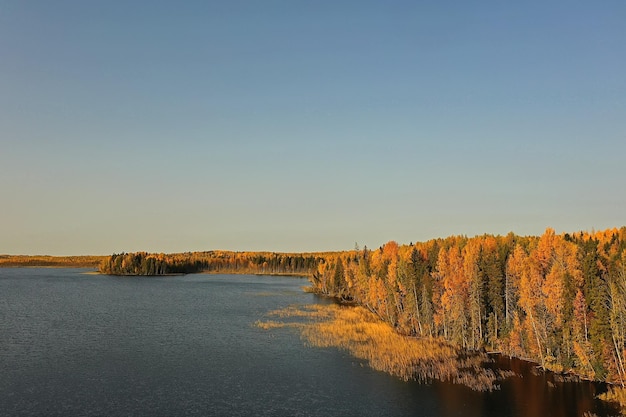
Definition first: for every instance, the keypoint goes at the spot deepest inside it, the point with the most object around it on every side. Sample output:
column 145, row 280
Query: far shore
column 6, row 265
column 34, row 264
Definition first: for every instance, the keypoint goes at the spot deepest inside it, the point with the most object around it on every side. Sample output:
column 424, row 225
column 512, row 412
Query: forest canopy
column 557, row 299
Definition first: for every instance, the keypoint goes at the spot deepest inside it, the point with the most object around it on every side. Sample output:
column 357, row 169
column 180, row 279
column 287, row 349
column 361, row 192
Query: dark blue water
column 77, row 344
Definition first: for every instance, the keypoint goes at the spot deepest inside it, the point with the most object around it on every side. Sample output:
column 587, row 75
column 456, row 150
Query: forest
column 51, row 261
column 555, row 299
column 265, row 263
column 558, row 300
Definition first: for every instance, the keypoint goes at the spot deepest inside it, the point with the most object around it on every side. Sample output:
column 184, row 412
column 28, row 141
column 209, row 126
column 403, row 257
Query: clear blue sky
column 306, row 126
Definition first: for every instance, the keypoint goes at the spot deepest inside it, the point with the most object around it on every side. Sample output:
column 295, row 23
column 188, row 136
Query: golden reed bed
column 364, row 336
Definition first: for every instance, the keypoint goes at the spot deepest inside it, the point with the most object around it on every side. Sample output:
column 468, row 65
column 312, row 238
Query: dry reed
column 366, row 337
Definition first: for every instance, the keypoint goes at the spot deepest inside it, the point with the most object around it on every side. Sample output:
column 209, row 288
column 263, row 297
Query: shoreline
column 566, row 375
column 366, row 337
column 3, row 265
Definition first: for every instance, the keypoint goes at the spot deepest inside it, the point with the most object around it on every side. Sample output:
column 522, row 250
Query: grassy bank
column 362, row 334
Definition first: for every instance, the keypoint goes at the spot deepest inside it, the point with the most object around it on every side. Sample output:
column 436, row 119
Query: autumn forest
column 556, row 299
column 559, row 300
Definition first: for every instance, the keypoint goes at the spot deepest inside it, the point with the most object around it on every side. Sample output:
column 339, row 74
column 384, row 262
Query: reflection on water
column 522, row 388
column 529, row 392
column 75, row 344
column 545, row 393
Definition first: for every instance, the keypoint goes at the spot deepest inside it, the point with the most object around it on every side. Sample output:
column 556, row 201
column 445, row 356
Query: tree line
column 85, row 261
column 559, row 300
column 142, row 263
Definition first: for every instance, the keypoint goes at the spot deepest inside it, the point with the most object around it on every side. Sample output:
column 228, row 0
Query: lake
column 92, row 345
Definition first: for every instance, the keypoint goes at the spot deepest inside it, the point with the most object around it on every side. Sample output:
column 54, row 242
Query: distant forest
column 142, row 263
column 51, row 261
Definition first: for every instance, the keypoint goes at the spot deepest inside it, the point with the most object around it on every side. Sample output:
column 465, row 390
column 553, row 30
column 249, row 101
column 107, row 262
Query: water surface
column 77, row 344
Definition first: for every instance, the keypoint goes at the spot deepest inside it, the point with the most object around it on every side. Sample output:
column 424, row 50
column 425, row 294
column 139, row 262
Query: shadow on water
column 461, row 386
column 529, row 392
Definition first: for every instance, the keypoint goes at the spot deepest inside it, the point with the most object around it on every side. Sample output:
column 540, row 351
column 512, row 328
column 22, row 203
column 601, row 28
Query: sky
column 299, row 126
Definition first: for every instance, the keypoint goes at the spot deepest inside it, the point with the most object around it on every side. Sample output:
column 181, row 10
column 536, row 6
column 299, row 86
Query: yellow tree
column 454, row 297
column 558, row 288
column 363, row 278
column 378, row 292
column 475, row 288
column 518, row 294
column 394, row 286
column 531, row 297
